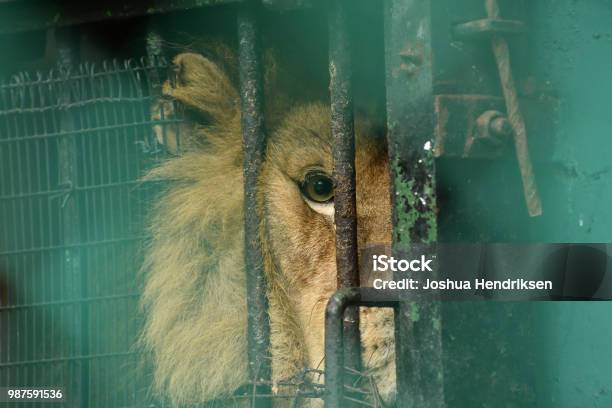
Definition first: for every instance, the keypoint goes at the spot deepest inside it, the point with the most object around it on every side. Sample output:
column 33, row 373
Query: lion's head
column 194, row 293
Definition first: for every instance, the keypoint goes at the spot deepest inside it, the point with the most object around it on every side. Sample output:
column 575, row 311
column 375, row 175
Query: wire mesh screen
column 73, row 146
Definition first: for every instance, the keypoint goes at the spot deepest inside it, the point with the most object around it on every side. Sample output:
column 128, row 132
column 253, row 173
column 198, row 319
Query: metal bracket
column 495, row 27
column 476, row 126
column 492, row 129
column 334, row 334
column 488, row 26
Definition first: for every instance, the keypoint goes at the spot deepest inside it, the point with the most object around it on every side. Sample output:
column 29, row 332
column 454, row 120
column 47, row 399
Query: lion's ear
column 202, row 86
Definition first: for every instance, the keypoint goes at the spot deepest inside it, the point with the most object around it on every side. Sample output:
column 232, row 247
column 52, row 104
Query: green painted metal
column 541, row 355
column 573, row 45
column 524, row 354
column 546, row 354
column 410, row 123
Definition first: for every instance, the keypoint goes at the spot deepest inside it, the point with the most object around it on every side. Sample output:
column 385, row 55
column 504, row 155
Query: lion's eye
column 318, row 187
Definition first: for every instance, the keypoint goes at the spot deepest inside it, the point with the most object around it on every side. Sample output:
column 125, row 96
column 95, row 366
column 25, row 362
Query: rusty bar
column 343, row 133
column 502, row 58
column 155, row 51
column 254, row 145
column 487, row 27
column 334, row 334
column 410, row 124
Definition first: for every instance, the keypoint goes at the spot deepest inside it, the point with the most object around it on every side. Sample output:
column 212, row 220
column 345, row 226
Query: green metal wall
column 573, row 43
column 546, row 354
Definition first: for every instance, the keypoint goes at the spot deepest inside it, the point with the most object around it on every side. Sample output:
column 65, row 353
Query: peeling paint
column 408, row 201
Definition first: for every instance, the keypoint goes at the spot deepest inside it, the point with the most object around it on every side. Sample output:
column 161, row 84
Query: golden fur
column 194, row 294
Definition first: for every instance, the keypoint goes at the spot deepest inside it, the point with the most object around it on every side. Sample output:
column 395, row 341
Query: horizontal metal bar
column 21, row 16
column 358, row 402
column 86, row 131
column 355, row 389
column 69, row 359
column 80, row 189
column 87, row 70
column 68, row 105
column 68, row 302
column 488, row 27
column 18, row 15
column 75, row 245
column 275, row 396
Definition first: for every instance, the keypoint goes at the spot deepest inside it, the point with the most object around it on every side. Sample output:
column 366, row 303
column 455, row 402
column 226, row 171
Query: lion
column 194, row 294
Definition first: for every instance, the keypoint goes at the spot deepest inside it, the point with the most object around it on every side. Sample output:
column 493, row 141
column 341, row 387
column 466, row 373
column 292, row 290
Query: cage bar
column 154, row 49
column 73, row 262
column 410, row 130
column 343, row 135
column 336, row 308
column 254, row 146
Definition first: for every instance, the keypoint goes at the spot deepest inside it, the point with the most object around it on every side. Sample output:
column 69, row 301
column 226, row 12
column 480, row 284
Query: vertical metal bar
column 410, row 121
column 254, row 146
column 9, row 216
column 154, row 48
column 155, row 51
column 71, row 223
column 502, row 58
column 334, row 347
column 343, row 133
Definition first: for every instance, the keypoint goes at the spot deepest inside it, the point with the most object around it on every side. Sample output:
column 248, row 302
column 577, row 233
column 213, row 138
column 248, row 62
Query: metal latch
column 495, row 28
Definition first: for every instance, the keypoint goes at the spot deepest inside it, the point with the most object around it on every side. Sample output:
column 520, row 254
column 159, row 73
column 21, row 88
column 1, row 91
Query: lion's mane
column 194, row 295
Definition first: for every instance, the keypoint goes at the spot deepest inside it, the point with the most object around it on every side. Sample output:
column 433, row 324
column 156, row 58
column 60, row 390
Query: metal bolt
column 411, row 60
column 500, row 126
column 410, row 53
column 493, row 126
column 492, row 130
column 408, row 68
